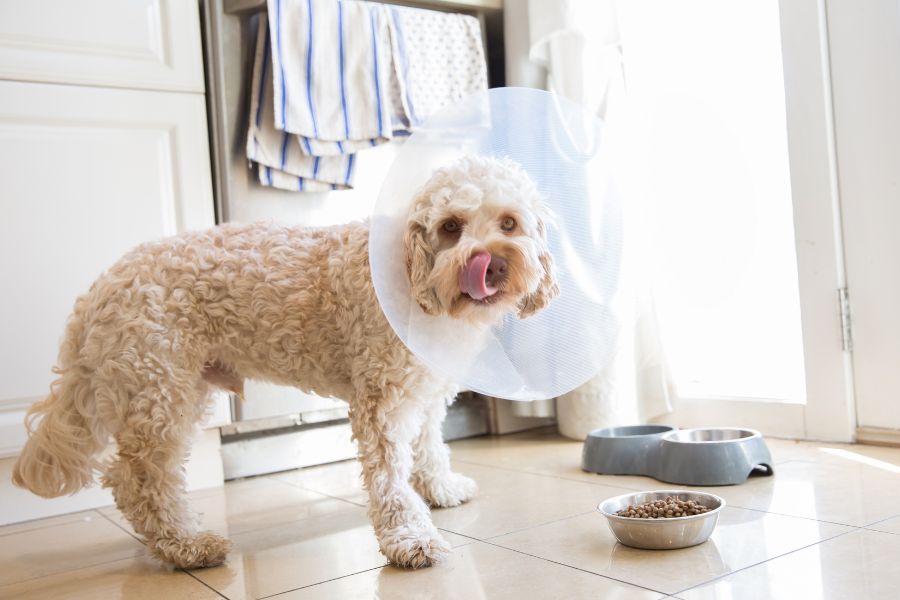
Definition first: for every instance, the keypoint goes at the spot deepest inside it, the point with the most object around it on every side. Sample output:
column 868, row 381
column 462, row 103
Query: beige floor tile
column 341, row 480
column 477, row 571
column 827, row 452
column 67, row 543
column 742, row 538
column 255, row 503
column 843, row 483
column 509, row 500
column 48, row 522
column 130, row 579
column 862, row 564
column 300, row 553
column 840, row 492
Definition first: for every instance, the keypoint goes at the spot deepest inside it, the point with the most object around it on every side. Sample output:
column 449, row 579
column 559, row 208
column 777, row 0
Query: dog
column 293, row 306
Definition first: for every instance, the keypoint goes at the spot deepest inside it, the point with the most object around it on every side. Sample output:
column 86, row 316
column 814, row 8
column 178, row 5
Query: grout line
column 36, row 526
column 880, row 521
column 828, row 539
column 572, row 516
column 574, row 567
column 546, row 475
column 780, row 514
column 129, row 531
column 302, row 587
column 206, row 585
column 300, row 487
column 469, row 537
column 618, row 486
column 67, row 571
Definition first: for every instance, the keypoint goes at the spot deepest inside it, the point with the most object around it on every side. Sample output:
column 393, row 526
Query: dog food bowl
column 662, row 534
column 722, row 456
column 630, row 450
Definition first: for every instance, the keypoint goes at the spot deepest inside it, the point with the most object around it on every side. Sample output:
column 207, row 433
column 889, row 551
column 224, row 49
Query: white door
column 865, row 59
column 735, row 99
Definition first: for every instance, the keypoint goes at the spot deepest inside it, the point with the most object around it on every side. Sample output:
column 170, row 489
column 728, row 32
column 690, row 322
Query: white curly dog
column 293, row 306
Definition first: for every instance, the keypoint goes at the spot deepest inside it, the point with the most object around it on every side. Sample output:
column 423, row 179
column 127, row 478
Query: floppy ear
column 547, row 289
column 419, row 263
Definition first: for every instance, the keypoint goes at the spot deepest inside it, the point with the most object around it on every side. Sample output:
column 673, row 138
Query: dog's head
column 476, row 242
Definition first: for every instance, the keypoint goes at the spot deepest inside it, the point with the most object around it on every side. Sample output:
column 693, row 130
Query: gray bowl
column 630, row 450
column 722, row 456
column 662, row 534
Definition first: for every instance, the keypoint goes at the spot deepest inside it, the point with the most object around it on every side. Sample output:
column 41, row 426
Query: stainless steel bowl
column 662, row 534
column 722, row 456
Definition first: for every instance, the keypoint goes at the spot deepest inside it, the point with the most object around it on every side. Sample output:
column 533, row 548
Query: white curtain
column 573, row 47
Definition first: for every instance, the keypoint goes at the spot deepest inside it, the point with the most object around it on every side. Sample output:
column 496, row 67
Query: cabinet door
column 87, row 174
column 147, row 44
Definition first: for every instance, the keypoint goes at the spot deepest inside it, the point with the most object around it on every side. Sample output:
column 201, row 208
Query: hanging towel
column 332, row 78
column 331, row 70
column 440, row 59
column 280, row 157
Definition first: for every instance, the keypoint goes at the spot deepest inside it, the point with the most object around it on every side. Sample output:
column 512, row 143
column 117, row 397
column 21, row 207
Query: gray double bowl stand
column 722, row 456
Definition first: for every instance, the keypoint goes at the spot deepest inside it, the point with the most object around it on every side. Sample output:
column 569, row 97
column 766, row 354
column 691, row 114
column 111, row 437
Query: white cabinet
column 87, row 174
column 103, row 145
column 147, row 44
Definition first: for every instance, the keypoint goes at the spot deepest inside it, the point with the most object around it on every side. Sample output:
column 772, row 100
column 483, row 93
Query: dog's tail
column 64, row 431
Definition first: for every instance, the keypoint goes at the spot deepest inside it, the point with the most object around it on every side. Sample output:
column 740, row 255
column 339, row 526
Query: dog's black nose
column 497, row 271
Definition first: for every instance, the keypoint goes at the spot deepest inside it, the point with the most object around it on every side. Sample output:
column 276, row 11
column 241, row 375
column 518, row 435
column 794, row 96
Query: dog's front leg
column 432, row 476
column 385, row 423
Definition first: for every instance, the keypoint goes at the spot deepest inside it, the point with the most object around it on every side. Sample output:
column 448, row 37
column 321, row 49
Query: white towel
column 331, row 70
column 332, row 78
column 441, row 59
column 279, row 156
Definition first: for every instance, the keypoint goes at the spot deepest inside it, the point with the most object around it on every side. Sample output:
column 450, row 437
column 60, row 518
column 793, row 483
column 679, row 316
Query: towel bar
column 244, row 6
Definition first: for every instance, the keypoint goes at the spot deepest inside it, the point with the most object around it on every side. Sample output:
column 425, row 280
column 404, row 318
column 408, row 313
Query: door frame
column 829, row 411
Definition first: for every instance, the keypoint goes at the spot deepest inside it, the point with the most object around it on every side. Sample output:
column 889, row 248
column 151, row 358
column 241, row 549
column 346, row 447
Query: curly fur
column 293, row 306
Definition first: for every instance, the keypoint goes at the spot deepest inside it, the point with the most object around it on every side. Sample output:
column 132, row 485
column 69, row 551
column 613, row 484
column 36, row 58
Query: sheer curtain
column 573, row 47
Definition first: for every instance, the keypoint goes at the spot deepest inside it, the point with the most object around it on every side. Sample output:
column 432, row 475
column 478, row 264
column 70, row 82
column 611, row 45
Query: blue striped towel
column 281, row 157
column 332, row 78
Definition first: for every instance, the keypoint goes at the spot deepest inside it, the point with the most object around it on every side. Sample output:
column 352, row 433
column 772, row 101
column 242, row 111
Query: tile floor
column 827, row 525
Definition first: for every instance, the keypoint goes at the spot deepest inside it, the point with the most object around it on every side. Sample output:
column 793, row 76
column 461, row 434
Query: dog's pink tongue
column 472, row 277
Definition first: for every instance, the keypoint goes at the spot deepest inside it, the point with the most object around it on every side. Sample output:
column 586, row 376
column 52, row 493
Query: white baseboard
column 204, row 470
column 12, row 425
column 877, row 436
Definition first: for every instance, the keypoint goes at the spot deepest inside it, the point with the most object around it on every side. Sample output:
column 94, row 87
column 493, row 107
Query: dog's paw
column 449, row 490
column 413, row 548
column 205, row 549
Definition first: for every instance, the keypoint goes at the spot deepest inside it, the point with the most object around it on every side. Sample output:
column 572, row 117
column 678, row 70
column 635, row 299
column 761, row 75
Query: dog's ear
column 419, row 263
column 547, row 289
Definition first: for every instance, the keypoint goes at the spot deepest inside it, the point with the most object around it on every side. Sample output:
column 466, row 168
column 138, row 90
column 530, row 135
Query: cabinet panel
column 87, row 174
column 148, row 44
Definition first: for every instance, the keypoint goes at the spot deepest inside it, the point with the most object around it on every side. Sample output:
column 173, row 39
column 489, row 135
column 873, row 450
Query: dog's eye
column 508, row 224
column 451, row 226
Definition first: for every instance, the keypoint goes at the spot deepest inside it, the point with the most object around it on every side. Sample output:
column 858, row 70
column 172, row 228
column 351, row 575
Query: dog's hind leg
column 431, row 475
column 385, row 423
column 147, row 476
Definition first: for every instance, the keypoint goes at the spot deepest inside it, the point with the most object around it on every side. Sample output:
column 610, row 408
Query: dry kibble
column 664, row 509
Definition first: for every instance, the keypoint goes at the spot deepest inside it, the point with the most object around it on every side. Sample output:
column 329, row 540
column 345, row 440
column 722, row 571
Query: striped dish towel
column 280, row 157
column 332, row 78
